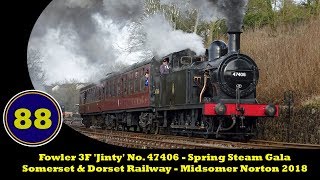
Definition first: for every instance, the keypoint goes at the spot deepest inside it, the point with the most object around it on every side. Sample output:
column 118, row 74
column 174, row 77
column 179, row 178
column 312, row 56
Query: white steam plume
column 162, row 39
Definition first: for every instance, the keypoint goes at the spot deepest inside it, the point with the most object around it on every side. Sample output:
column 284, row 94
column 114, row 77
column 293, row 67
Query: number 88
column 23, row 120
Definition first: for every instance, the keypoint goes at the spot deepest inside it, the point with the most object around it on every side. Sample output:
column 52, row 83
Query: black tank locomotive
column 212, row 95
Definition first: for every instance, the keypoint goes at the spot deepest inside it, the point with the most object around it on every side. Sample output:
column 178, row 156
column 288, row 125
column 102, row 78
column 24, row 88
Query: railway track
column 151, row 141
column 286, row 145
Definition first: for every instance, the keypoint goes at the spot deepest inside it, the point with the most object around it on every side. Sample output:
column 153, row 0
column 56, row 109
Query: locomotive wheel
column 208, row 129
column 87, row 125
column 146, row 129
column 245, row 138
column 103, row 127
column 155, row 128
column 122, row 127
column 174, row 133
column 189, row 134
column 119, row 127
column 135, row 128
column 206, row 136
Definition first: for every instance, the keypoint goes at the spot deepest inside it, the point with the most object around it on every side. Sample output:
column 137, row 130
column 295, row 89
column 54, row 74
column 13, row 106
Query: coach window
column 115, row 85
column 131, row 84
column 102, row 90
column 147, row 80
column 85, row 97
column 97, row 93
column 120, row 82
column 132, row 87
column 89, row 96
column 92, row 95
column 127, row 88
column 124, row 85
column 136, row 84
column 102, row 93
column 107, row 89
column 111, row 88
column 115, row 88
column 128, row 85
column 142, row 78
column 142, row 81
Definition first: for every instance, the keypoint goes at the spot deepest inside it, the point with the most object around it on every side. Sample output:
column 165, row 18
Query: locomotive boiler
column 211, row 95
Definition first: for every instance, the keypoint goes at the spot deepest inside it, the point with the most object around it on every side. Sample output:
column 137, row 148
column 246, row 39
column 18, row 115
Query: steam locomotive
column 211, row 95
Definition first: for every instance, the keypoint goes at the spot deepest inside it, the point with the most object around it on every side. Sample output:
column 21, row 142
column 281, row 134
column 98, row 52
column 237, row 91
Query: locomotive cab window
column 185, row 60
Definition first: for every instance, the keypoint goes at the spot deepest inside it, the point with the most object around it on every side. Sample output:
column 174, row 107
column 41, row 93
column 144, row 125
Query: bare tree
column 67, row 94
column 36, row 72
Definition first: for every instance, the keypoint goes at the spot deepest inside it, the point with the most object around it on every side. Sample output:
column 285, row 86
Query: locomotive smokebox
column 234, row 42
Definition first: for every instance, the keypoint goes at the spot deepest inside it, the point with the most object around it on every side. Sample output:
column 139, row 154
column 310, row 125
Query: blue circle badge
column 32, row 118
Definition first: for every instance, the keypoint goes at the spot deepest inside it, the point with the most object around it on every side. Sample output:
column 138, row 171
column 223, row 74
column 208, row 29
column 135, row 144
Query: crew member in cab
column 164, row 68
column 146, row 75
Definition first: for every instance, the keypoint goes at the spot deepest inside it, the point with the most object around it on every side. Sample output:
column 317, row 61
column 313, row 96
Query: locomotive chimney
column 234, row 42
